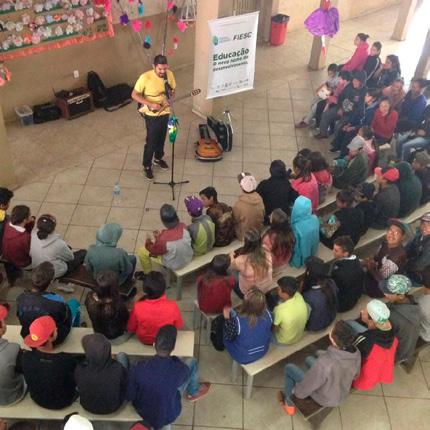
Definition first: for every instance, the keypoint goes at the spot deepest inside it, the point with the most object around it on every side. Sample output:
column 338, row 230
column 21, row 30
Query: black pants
column 78, row 259
column 156, row 129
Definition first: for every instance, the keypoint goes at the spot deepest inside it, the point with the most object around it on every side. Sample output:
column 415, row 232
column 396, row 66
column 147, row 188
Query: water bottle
column 116, row 193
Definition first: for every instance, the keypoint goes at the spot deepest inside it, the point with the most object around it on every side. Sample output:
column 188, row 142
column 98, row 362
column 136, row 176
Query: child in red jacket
column 384, row 121
column 214, row 287
column 153, row 310
column 17, row 237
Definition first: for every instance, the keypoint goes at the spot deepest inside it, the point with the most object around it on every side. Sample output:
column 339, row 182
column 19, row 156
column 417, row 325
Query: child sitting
column 410, row 189
column 364, row 198
column 38, row 301
column 221, row 214
column 248, row 212
column 12, row 388
column 214, row 287
column 170, row 247
column 254, row 264
column 424, row 306
column 355, row 168
column 279, row 239
column 320, row 169
column 329, row 374
column 105, row 255
column 6, row 196
column 305, row 183
column 17, row 237
column 373, row 64
column 305, row 227
column 202, row 228
column 404, row 315
column 322, row 93
column 419, row 164
column 347, row 220
column 387, row 199
column 48, row 246
column 153, row 310
column 377, row 343
column 247, row 331
column 320, row 294
column 291, row 315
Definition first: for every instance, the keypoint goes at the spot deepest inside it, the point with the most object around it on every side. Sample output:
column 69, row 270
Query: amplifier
column 74, row 103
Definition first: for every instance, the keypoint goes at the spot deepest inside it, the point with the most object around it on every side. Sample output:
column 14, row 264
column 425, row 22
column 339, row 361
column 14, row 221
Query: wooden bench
column 73, row 343
column 200, row 262
column 29, row 410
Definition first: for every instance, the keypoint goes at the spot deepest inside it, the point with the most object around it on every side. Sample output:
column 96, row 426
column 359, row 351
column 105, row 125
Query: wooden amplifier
column 74, row 103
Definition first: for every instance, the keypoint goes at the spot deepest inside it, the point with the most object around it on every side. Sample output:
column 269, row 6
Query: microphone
column 167, row 88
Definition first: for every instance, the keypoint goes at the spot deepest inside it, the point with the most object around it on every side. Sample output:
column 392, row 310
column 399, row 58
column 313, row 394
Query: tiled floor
column 70, row 167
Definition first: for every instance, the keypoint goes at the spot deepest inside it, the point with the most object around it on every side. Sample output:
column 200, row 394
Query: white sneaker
column 66, row 288
column 384, row 147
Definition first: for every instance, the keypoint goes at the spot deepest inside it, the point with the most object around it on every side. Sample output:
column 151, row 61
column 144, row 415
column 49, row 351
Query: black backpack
column 97, row 88
column 217, row 333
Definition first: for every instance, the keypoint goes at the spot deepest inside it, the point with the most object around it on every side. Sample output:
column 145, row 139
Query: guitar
column 143, row 109
column 208, row 149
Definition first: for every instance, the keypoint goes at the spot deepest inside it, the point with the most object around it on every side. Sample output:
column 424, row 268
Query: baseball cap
column 389, row 173
column 3, row 312
column 425, row 217
column 40, row 331
column 194, row 205
column 397, row 284
column 378, row 311
column 247, row 182
column 76, row 422
column 398, row 223
column 356, row 143
column 422, row 158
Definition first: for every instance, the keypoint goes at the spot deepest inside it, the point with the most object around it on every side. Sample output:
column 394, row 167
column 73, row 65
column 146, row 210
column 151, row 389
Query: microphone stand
column 173, row 122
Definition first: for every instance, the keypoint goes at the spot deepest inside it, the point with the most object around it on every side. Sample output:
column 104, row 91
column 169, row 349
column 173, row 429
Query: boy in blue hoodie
column 305, row 227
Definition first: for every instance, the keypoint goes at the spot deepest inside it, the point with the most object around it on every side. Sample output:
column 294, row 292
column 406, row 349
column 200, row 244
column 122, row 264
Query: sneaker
column 148, row 173
column 161, row 164
column 203, row 390
column 289, row 410
column 385, row 147
column 66, row 288
column 301, row 124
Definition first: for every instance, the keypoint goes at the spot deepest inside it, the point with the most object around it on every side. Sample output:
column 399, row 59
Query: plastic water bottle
column 116, row 193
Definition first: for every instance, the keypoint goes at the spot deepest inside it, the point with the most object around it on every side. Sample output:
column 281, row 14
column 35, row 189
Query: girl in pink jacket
column 358, row 59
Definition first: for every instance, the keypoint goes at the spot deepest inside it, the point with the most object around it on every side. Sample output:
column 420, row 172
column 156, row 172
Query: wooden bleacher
column 72, row 344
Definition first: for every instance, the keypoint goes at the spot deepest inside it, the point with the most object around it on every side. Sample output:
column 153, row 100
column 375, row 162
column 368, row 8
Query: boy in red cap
column 387, row 199
column 48, row 374
column 12, row 385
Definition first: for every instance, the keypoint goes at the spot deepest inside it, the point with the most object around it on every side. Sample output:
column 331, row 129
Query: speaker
column 74, row 103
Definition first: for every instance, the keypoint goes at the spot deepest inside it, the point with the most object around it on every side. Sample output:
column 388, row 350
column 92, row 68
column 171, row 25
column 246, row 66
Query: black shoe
column 148, row 173
column 160, row 163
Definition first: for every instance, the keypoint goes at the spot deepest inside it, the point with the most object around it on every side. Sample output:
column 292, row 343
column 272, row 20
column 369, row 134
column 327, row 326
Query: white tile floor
column 68, row 168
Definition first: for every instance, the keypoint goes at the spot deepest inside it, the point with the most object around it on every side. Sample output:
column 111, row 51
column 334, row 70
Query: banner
column 232, row 54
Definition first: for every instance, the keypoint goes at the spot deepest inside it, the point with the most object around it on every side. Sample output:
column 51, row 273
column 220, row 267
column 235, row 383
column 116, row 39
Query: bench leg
column 248, row 389
column 316, row 420
column 196, row 317
column 234, row 371
column 208, row 330
column 178, row 288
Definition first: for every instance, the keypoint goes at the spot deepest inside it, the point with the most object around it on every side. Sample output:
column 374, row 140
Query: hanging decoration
column 147, row 42
column 188, row 12
column 172, row 126
column 182, row 26
column 5, row 74
column 175, row 41
column 27, row 27
column 136, row 25
column 323, row 22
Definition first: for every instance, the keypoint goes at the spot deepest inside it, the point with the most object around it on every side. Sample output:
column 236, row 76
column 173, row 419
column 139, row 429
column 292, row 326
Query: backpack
column 217, row 333
column 97, row 88
column 223, row 132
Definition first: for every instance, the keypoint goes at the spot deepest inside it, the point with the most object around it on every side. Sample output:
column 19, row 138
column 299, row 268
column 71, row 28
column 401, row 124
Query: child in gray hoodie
column 328, row 376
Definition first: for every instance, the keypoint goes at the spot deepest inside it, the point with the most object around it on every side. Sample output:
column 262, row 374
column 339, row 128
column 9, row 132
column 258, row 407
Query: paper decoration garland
column 175, row 41
column 136, row 25
column 141, row 9
column 147, row 42
column 170, row 5
column 123, row 19
column 5, row 74
column 182, row 26
column 172, row 126
column 148, row 25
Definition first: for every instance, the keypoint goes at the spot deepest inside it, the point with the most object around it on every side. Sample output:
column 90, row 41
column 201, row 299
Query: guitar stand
column 172, row 183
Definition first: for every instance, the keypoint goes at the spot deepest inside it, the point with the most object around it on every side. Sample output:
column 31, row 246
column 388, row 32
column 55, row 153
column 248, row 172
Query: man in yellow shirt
column 151, row 90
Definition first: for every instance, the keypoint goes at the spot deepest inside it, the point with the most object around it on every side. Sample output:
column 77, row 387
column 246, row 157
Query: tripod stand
column 173, row 132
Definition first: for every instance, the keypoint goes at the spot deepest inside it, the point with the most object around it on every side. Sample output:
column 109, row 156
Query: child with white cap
column 377, row 344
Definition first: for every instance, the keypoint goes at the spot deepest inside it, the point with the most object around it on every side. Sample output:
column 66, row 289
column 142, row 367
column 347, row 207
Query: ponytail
column 304, row 165
column 362, row 36
column 45, row 226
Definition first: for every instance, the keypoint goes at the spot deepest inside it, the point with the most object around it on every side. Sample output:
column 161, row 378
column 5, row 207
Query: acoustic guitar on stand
column 143, row 109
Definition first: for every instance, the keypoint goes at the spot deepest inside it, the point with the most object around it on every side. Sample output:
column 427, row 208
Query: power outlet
column 76, row 74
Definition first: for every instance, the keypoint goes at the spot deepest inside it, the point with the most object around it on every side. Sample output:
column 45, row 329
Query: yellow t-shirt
column 291, row 317
column 151, row 87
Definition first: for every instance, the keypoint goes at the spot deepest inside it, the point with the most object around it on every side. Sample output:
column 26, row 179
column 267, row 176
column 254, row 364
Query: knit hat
column 194, row 205
column 3, row 312
column 247, row 182
column 398, row 223
column 391, row 174
column 422, row 158
column 397, row 284
column 378, row 311
column 356, row 143
column 76, row 422
column 425, row 217
column 40, row 330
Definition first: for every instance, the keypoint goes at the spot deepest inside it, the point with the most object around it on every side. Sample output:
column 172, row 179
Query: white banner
column 232, row 54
